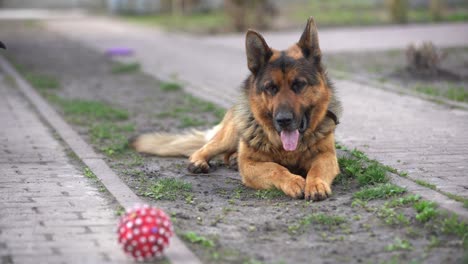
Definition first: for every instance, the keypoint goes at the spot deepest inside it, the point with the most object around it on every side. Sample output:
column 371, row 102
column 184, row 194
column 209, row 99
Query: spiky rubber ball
column 144, row 232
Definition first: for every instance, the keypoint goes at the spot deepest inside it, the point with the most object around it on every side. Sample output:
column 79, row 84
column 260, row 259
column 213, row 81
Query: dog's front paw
column 199, row 166
column 317, row 190
column 294, row 186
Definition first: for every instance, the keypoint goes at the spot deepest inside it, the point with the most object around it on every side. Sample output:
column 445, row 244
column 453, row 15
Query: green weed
column 381, row 191
column 194, row 238
column 373, row 174
column 425, row 184
column 89, row 174
column 402, row 201
column 319, row 219
column 399, row 245
column 42, row 81
column 269, row 194
column 425, row 211
column 120, row 211
column 88, row 111
column 391, row 217
column 125, row 68
column 169, row 189
column 170, row 86
column 454, row 226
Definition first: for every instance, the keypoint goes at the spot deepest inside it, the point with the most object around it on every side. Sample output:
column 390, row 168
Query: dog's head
column 288, row 90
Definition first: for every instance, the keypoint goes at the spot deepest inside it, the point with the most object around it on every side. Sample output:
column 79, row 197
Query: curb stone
column 178, row 251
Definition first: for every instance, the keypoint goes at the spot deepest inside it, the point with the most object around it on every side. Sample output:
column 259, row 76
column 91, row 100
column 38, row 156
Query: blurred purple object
column 119, row 51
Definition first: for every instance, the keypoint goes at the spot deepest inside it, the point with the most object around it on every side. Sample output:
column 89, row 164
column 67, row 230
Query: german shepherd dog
column 282, row 128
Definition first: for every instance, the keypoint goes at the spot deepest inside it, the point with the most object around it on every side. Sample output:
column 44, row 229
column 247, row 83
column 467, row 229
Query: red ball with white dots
column 144, row 232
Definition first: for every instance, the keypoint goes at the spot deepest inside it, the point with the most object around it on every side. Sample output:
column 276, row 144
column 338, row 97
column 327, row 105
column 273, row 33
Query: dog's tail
column 173, row 145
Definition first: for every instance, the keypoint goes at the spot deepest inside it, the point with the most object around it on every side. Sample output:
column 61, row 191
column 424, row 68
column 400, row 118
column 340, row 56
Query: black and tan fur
column 287, row 92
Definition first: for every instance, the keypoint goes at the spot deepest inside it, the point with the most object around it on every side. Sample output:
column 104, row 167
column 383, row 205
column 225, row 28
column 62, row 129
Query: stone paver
column 423, row 138
column 49, row 212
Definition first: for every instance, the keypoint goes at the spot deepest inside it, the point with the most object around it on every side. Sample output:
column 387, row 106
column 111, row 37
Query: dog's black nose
column 284, row 119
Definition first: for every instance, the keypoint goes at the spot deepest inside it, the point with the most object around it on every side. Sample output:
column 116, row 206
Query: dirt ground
column 233, row 224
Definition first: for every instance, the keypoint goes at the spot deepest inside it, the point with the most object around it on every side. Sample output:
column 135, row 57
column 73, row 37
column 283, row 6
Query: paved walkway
column 49, row 212
column 423, row 138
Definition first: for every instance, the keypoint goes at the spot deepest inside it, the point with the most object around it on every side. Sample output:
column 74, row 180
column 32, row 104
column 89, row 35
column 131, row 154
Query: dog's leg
column 266, row 175
column 225, row 141
column 322, row 171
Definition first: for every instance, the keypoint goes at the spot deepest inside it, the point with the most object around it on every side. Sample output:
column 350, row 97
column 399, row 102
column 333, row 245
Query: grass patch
column 425, row 211
column 425, row 184
column 170, row 86
column 197, row 22
column 391, row 217
column 455, row 93
column 169, row 189
column 190, row 106
column 111, row 138
column 373, row 174
column 319, row 219
column 42, row 81
column 381, row 191
column 89, row 174
column 269, row 194
column 194, row 238
column 399, row 245
column 122, row 68
column 187, row 121
column 403, row 201
column 358, row 165
column 454, row 226
column 88, row 111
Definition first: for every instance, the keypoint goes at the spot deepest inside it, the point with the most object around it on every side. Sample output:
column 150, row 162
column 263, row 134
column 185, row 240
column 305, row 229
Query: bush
column 398, row 10
column 424, row 59
column 254, row 13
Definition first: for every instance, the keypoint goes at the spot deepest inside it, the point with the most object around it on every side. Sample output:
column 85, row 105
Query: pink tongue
column 290, row 139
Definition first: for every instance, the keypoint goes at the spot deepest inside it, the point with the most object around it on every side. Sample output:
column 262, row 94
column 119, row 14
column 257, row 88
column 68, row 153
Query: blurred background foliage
column 218, row 16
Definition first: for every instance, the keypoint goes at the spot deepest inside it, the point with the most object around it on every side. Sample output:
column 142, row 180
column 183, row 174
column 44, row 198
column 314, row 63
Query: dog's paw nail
column 198, row 168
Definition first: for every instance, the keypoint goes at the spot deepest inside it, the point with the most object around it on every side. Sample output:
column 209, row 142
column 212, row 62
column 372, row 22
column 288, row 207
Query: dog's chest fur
column 262, row 140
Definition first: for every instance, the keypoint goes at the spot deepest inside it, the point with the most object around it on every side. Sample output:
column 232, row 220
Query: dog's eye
column 270, row 88
column 298, row 85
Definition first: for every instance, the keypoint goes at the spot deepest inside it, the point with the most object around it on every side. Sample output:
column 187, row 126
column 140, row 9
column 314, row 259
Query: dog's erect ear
column 309, row 42
column 258, row 52
column 2, row 45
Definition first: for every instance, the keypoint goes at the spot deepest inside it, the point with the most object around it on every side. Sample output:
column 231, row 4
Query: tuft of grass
column 194, row 238
column 391, row 217
column 187, row 121
column 425, row 184
column 373, row 174
column 381, row 191
column 120, row 211
column 426, row 211
column 399, row 244
column 456, row 93
column 196, row 22
column 89, row 174
column 87, row 111
column 42, row 81
column 169, row 189
column 269, row 194
column 111, row 138
column 170, row 86
column 353, row 167
column 192, row 105
column 102, row 131
column 402, row 201
column 122, row 68
column 319, row 219
column 454, row 226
